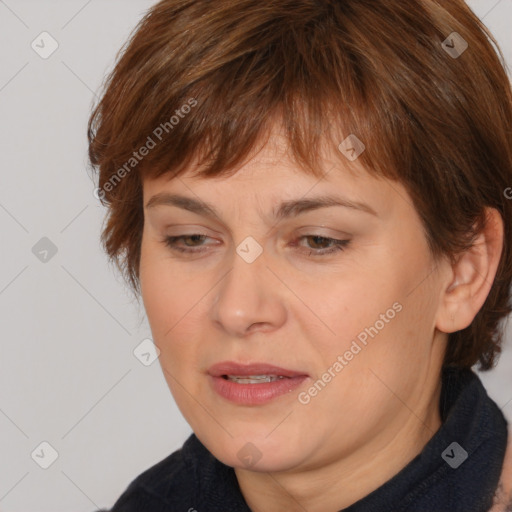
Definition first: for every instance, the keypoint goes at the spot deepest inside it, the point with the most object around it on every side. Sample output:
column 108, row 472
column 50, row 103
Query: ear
column 471, row 277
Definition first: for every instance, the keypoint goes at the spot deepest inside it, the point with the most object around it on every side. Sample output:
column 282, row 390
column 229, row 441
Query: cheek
column 168, row 296
column 382, row 311
column 176, row 307
column 369, row 294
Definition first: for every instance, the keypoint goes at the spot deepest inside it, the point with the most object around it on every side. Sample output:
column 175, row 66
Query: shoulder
column 171, row 481
column 503, row 496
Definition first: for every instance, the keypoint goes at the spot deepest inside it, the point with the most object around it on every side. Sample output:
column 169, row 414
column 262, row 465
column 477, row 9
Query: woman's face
column 350, row 325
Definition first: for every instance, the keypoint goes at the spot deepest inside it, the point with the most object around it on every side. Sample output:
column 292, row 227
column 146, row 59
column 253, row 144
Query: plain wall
column 68, row 374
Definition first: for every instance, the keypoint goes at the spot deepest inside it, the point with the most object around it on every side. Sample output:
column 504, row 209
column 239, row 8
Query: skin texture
column 301, row 312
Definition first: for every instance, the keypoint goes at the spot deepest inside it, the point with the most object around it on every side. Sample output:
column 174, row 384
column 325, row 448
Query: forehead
column 270, row 177
column 273, row 160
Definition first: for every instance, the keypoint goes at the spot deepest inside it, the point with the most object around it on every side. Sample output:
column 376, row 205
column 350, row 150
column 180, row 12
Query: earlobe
column 472, row 276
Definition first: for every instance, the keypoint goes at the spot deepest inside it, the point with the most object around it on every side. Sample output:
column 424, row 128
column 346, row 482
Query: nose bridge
column 245, row 296
column 243, row 283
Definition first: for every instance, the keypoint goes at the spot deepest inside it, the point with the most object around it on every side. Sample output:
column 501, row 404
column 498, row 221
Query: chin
column 257, row 452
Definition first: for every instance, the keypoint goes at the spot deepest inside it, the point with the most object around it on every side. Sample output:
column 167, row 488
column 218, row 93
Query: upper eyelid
column 298, row 236
column 302, row 230
column 296, row 239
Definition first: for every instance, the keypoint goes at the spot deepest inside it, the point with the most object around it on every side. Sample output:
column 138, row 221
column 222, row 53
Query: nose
column 249, row 299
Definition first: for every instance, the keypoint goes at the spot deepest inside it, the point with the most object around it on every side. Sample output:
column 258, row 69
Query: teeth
column 254, row 379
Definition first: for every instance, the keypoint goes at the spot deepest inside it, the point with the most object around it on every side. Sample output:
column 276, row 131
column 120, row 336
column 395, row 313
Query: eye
column 192, row 243
column 333, row 244
column 172, row 242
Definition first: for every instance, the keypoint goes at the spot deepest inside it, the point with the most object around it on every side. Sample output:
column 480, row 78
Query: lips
column 253, row 384
column 233, row 369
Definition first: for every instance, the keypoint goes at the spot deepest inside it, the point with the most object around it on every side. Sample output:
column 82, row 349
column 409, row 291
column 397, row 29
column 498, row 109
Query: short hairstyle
column 205, row 81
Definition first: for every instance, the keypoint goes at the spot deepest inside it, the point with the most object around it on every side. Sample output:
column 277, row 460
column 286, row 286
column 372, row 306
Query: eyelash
column 339, row 245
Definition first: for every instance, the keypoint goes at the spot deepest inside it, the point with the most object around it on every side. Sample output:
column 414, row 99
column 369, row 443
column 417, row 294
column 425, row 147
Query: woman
column 312, row 199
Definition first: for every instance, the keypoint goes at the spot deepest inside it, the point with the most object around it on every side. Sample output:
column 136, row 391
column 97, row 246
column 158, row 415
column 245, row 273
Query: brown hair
column 204, row 81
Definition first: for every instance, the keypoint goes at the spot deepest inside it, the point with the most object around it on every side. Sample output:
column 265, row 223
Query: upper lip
column 237, row 369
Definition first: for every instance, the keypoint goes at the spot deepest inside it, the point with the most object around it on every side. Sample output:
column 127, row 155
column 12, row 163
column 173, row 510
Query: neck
column 339, row 484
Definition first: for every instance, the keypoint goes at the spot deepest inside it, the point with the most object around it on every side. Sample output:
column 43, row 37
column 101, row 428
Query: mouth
column 253, row 384
column 252, row 371
column 253, row 379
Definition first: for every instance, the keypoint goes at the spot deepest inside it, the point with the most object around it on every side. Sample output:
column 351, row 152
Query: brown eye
column 173, row 242
column 328, row 245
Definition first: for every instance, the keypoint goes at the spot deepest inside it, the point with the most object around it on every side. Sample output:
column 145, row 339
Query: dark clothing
column 439, row 479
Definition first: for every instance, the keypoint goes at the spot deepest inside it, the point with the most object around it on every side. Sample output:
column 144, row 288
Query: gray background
column 68, row 374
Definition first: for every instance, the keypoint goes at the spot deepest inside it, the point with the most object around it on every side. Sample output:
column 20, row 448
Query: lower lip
column 255, row 394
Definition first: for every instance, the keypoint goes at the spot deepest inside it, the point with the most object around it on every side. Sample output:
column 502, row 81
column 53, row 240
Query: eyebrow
column 286, row 209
